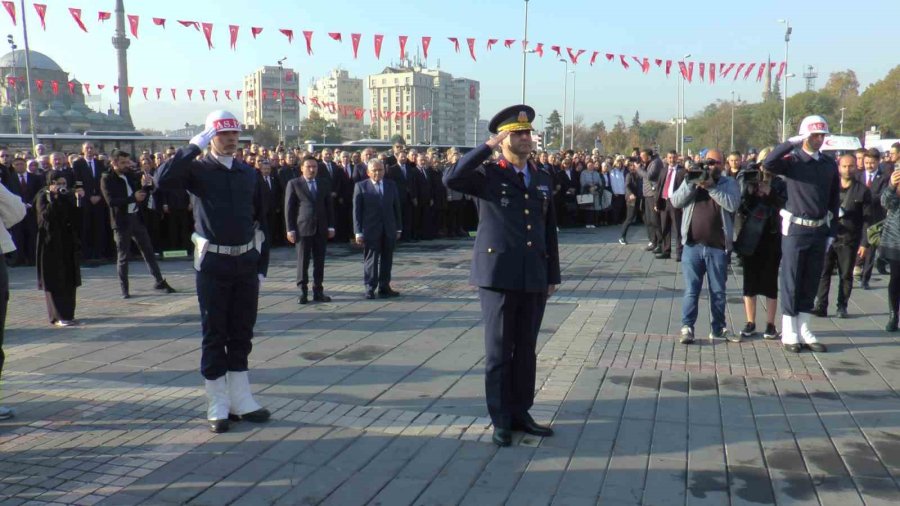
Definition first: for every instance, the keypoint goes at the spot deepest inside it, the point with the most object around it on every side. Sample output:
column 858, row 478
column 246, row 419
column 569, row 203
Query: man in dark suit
column 377, row 225
column 331, row 178
column 424, row 202
column 650, row 169
column 670, row 216
column 568, row 182
column 361, row 170
column 875, row 180
column 309, row 221
column 273, row 200
column 126, row 192
column 401, row 174
column 287, row 172
column 343, row 205
column 515, row 264
column 26, row 185
column 95, row 231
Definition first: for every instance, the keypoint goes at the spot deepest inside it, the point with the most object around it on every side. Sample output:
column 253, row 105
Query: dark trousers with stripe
column 802, row 260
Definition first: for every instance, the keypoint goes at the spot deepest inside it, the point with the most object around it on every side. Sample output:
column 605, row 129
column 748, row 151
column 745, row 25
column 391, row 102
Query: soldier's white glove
column 203, row 139
column 797, row 140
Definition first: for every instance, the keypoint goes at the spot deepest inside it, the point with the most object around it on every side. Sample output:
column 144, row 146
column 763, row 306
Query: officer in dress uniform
column 809, row 225
column 231, row 259
column 515, row 264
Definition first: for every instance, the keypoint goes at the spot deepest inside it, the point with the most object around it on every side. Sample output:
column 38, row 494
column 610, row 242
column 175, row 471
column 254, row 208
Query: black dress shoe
column 321, row 297
column 502, row 437
column 816, row 347
column 388, row 293
column 651, row 247
column 303, row 299
column 261, row 415
column 126, row 295
column 529, row 426
column 865, row 285
column 663, row 256
column 841, row 312
column 164, row 286
column 820, row 311
column 219, row 426
column 793, row 348
column 370, row 295
column 892, row 323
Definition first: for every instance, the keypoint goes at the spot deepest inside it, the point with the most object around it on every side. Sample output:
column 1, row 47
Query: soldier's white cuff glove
column 203, row 139
column 797, row 140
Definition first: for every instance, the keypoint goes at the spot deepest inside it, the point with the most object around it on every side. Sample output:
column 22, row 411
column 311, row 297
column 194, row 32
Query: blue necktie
column 312, row 189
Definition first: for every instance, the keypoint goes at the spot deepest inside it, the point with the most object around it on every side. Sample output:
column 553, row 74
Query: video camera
column 699, row 172
column 751, row 174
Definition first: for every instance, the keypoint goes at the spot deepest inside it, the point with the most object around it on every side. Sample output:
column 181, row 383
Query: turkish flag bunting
column 748, row 71
column 239, row 94
column 233, row 30
column 594, row 57
column 158, row 93
column 103, row 16
column 288, row 33
column 712, row 73
column 668, row 67
column 76, row 15
column 315, row 102
column 54, row 86
column 761, row 71
column 162, row 22
column 228, row 94
column 354, row 38
column 683, row 69
column 645, row 65
column 101, row 86
column 574, row 56
column 207, row 32
column 378, row 40
column 455, row 42
column 490, row 43
column 725, row 70
column 302, row 100
column 358, row 113
column 289, row 77
column 130, row 91
column 256, row 30
column 203, row 95
column 426, row 43
column 702, row 71
column 133, row 22
column 781, row 68
column 622, row 59
column 40, row 84
column 87, row 88
column 216, row 95
column 471, row 43
column 11, row 9
column 265, row 94
column 190, row 93
column 173, row 90
column 558, row 51
column 539, row 49
column 335, row 36
column 610, row 56
column 658, row 62
column 145, row 90
column 402, row 39
column 71, row 85
column 41, row 12
column 307, row 34
column 115, row 88
column 690, row 71
column 508, row 43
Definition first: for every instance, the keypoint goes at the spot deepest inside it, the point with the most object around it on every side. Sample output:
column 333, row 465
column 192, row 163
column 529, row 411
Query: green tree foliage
column 265, row 135
column 316, row 128
column 554, row 130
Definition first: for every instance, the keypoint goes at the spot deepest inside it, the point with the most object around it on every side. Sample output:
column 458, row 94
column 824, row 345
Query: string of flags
column 706, row 71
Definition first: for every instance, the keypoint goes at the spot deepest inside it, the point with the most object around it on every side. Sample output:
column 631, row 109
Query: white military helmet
column 813, row 125
column 223, row 121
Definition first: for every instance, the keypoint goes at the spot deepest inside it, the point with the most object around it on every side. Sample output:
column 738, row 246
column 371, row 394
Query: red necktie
column 868, row 180
column 665, row 192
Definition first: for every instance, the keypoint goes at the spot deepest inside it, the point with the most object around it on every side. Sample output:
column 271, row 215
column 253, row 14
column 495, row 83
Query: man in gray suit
column 377, row 223
column 309, row 220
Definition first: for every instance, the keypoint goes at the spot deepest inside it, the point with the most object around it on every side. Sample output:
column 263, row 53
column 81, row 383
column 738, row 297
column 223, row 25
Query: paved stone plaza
column 381, row 402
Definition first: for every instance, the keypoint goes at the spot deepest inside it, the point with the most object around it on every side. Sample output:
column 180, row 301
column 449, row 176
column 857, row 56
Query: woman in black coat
column 59, row 247
column 890, row 244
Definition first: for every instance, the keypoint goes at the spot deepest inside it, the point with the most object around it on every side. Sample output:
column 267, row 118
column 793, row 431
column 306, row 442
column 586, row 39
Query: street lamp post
column 524, row 51
column 281, row 100
column 572, row 137
column 682, row 119
column 562, row 144
column 842, row 120
column 732, row 120
column 13, row 47
column 784, row 94
column 34, row 141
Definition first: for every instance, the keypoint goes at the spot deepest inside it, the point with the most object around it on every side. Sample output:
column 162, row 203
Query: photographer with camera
column 758, row 243
column 59, row 247
column 854, row 214
column 707, row 198
column 809, row 225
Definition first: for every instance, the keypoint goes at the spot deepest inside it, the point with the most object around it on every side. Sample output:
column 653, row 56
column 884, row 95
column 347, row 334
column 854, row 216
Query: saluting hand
column 495, row 140
column 895, row 178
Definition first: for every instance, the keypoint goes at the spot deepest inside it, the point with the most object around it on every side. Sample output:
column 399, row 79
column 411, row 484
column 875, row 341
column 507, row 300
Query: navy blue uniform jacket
column 813, row 186
column 516, row 247
column 228, row 203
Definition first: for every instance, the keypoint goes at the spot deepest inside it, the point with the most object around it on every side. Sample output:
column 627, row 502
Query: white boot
column 789, row 330
column 217, row 395
column 242, row 401
column 806, row 335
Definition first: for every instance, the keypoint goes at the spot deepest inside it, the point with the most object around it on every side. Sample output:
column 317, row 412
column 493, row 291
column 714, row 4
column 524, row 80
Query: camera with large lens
column 698, row 173
column 63, row 191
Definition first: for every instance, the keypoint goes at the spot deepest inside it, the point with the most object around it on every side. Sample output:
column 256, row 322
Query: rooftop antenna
column 810, row 75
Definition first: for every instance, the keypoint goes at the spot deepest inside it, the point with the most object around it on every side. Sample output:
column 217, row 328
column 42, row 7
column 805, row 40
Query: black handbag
column 752, row 230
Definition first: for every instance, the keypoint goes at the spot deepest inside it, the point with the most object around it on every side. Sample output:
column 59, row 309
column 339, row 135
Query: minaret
column 121, row 43
column 767, row 91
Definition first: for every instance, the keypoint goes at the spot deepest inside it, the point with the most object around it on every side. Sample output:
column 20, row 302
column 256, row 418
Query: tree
column 373, row 132
column 554, row 130
column 842, row 85
column 316, row 128
column 397, row 138
column 265, row 135
column 617, row 140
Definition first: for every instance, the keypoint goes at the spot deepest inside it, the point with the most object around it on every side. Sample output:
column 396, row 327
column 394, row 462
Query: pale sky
column 711, row 31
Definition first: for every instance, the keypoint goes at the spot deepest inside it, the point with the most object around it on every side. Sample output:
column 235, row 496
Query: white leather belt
column 231, row 250
column 806, row 222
